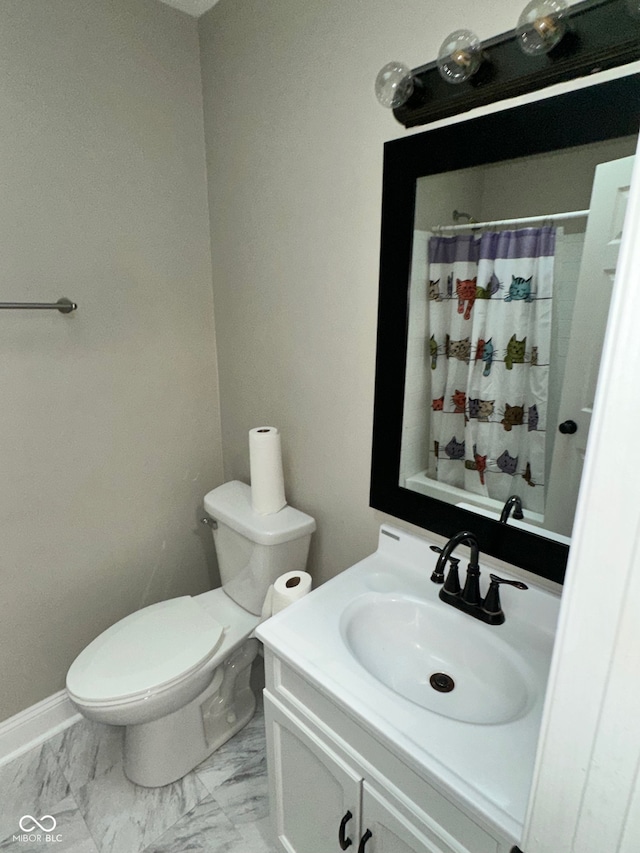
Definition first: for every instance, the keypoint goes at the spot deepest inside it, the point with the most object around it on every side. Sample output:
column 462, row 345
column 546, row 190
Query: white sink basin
column 426, row 653
column 371, row 638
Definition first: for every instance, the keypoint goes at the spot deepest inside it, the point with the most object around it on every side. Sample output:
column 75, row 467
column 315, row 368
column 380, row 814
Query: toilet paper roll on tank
column 289, row 587
column 265, row 464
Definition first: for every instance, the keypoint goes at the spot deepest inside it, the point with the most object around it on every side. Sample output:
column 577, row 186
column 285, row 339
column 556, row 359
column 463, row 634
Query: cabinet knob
column 568, row 427
column 344, row 842
column 364, row 840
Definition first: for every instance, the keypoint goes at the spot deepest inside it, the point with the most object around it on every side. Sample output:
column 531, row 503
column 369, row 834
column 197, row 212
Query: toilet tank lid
column 230, row 504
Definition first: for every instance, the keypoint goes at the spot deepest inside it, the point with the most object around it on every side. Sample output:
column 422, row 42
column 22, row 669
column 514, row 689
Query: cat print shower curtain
column 490, row 299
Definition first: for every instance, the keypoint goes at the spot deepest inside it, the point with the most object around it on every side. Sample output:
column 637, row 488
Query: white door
column 585, row 795
column 608, row 207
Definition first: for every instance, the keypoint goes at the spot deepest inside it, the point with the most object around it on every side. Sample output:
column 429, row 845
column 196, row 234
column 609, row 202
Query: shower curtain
column 489, row 340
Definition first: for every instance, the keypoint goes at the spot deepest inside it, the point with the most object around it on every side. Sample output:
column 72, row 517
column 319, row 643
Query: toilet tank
column 253, row 549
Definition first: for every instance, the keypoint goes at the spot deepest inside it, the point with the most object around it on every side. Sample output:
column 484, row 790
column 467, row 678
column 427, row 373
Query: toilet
column 176, row 674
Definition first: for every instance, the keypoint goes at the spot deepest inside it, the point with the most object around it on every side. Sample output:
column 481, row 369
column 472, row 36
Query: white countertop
column 487, row 767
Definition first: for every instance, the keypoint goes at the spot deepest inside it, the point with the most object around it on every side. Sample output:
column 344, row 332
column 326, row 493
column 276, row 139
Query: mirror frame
column 593, row 114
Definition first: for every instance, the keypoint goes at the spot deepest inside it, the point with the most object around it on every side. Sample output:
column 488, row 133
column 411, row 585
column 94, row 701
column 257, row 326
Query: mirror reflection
column 511, row 276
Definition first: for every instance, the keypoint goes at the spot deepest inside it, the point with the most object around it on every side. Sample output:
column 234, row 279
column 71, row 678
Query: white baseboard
column 34, row 725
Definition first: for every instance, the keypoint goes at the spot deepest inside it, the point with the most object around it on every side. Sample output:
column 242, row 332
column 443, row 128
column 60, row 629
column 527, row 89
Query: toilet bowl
column 176, row 674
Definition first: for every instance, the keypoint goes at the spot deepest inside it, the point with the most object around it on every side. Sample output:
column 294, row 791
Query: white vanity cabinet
column 324, row 803
column 332, row 781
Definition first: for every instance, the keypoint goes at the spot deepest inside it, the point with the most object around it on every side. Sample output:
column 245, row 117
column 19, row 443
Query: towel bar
column 64, row 306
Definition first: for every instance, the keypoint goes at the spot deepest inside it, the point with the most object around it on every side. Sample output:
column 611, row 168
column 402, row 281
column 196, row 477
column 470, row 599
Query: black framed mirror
column 586, row 119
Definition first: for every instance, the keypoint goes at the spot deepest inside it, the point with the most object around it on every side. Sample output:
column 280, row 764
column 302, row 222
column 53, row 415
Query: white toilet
column 176, row 674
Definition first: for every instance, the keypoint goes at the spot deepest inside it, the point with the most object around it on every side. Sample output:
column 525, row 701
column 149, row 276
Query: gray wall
column 110, row 423
column 294, row 146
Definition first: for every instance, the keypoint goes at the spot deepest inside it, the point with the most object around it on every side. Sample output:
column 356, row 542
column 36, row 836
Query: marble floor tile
column 204, row 829
column 86, row 750
column 259, row 836
column 30, row 785
column 77, row 778
column 245, row 796
column 70, row 834
column 126, row 818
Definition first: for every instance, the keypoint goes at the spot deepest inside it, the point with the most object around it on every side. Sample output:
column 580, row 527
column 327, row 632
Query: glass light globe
column 541, row 25
column 394, row 84
column 459, row 56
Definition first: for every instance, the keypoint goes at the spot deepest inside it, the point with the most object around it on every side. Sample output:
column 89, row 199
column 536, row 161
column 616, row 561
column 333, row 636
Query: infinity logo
column 42, row 824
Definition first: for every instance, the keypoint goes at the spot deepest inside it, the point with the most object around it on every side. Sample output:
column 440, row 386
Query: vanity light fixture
column 394, row 84
column 541, row 26
column 460, row 56
column 553, row 42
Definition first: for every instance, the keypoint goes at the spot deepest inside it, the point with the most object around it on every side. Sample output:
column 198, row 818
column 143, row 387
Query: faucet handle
column 491, row 604
column 518, row 584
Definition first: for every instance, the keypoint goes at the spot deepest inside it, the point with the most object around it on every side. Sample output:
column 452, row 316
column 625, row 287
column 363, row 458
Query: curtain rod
column 554, row 217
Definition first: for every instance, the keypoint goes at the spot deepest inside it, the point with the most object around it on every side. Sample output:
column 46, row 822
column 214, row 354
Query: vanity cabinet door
column 312, row 790
column 322, row 804
column 388, row 828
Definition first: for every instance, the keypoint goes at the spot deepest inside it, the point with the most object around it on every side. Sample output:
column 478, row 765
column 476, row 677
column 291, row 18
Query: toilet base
column 164, row 750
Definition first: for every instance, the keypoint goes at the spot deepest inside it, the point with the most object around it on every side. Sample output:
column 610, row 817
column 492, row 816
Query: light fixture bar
column 600, row 34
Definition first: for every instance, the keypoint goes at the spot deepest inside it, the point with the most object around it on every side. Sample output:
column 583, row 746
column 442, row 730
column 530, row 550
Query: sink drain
column 442, row 682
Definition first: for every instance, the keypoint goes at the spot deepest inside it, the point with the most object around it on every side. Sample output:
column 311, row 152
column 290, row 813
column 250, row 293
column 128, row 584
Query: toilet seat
column 148, row 651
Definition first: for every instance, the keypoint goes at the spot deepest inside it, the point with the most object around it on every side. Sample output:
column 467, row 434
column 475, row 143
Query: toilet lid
column 147, row 650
